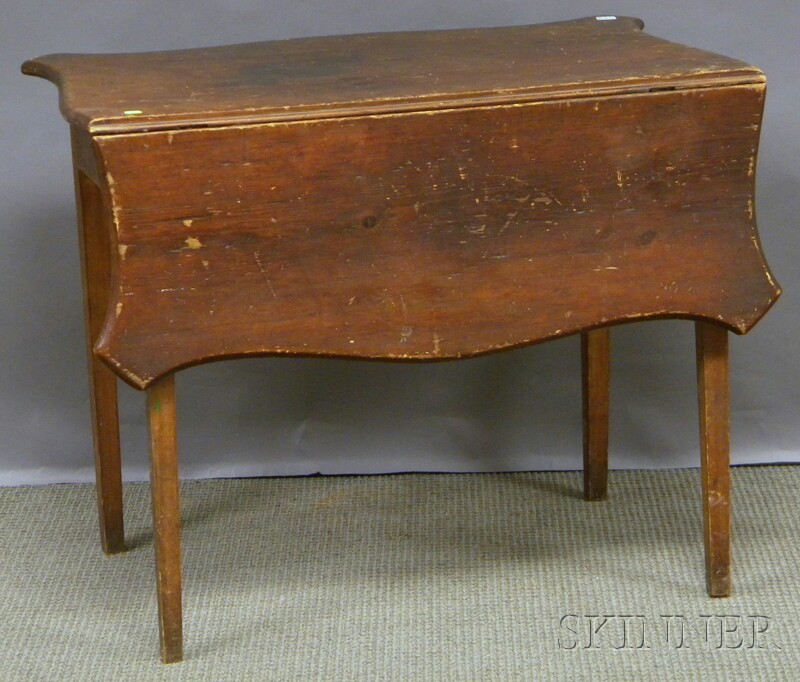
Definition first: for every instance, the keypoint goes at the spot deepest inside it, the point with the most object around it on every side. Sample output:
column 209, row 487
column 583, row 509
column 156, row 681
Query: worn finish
column 595, row 370
column 338, row 76
column 328, row 237
column 480, row 231
column 166, row 515
column 714, row 402
column 96, row 269
column 414, row 196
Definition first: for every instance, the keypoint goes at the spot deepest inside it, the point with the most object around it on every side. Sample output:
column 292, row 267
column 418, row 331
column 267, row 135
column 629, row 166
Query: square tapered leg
column 166, row 515
column 96, row 268
column 595, row 351
column 714, row 404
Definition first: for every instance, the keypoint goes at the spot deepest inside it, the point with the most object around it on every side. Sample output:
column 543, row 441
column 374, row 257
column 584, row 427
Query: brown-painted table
column 409, row 196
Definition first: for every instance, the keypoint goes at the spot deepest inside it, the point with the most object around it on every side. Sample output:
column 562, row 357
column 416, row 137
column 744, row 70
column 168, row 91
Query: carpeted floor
column 409, row 577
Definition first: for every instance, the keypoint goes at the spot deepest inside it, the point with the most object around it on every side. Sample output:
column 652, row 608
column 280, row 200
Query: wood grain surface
column 372, row 73
column 435, row 235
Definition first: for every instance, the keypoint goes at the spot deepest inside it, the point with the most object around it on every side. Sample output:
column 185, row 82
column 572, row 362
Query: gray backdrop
column 514, row 410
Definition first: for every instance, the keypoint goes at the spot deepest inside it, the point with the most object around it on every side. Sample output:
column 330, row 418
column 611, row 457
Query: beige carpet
column 409, row 577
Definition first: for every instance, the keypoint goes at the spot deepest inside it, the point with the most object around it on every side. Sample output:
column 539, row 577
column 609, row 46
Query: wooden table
column 409, row 196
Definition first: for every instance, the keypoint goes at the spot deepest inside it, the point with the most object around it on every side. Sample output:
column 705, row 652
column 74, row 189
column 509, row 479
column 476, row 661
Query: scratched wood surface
column 432, row 235
column 346, row 75
column 416, row 196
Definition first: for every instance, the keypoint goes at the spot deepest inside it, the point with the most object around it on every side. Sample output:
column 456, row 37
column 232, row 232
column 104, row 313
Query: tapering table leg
column 595, row 373
column 166, row 515
column 107, row 460
column 96, row 271
column 714, row 403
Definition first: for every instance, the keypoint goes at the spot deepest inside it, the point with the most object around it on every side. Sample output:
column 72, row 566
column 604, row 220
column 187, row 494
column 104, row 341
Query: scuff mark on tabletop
column 263, row 270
